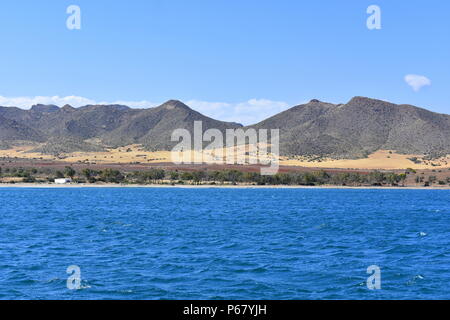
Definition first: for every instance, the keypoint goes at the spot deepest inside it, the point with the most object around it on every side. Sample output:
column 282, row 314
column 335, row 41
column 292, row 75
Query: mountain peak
column 315, row 101
column 44, row 108
column 68, row 107
column 174, row 104
column 365, row 100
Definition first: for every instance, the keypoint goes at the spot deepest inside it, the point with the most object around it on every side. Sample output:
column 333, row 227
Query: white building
column 63, row 181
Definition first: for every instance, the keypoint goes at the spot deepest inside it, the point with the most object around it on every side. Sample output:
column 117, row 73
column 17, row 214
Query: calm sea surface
column 224, row 243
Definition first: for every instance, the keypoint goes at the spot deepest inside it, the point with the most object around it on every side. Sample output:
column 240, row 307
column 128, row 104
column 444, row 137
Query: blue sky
column 235, row 60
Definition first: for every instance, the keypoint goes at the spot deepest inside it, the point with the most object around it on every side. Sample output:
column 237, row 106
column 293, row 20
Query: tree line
column 233, row 177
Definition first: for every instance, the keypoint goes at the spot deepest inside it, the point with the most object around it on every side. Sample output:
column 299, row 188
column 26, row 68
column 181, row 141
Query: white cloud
column 134, row 104
column 74, row 101
column 27, row 102
column 248, row 112
column 417, row 81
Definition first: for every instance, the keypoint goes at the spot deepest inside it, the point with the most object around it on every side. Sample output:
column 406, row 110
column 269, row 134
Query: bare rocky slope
column 94, row 127
column 360, row 127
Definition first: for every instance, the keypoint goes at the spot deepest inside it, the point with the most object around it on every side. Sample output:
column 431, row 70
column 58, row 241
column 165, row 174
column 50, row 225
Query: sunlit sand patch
column 383, row 159
column 23, row 152
column 128, row 154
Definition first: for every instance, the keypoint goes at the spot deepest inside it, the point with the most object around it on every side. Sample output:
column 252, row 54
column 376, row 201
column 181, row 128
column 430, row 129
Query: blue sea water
column 133, row 243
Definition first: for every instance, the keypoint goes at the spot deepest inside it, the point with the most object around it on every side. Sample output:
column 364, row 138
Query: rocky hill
column 69, row 129
column 360, row 127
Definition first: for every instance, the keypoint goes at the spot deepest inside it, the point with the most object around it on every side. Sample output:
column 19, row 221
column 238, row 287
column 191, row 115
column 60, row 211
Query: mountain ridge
column 351, row 130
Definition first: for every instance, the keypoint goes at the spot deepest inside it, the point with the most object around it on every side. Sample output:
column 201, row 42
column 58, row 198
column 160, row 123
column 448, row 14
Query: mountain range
column 352, row 130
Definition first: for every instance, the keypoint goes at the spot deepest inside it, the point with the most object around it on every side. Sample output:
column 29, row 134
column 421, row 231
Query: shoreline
column 156, row 186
